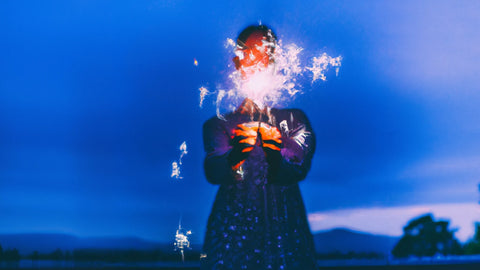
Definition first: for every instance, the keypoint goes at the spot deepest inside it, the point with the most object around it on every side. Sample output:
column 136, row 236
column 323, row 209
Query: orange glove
column 246, row 134
column 271, row 137
column 244, row 137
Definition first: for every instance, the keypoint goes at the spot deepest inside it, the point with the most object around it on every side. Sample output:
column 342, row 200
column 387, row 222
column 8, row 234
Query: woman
column 258, row 156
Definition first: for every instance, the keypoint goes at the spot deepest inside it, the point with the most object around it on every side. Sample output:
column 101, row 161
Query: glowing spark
column 230, row 42
column 221, row 94
column 203, row 93
column 175, row 170
column 181, row 240
column 195, row 62
column 176, row 165
column 321, row 64
column 301, row 138
column 284, row 127
column 183, row 149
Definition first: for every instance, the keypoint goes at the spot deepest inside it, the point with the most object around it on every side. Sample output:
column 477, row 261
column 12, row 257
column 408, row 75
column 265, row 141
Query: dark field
column 456, row 266
column 475, row 266
column 388, row 267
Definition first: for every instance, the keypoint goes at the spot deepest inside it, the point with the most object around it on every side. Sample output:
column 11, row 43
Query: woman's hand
column 270, row 136
column 245, row 136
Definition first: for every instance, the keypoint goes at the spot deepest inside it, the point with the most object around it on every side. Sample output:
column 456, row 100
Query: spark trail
column 321, row 64
column 183, row 149
column 203, row 93
column 181, row 240
column 177, row 164
column 275, row 85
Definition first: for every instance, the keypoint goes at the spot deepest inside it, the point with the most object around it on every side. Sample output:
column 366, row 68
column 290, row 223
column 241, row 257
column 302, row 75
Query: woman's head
column 255, row 47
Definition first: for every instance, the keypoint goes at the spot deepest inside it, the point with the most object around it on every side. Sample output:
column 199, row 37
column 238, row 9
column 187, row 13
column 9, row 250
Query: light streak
column 176, row 164
column 183, row 151
column 220, row 95
column 284, row 127
column 301, row 137
column 203, row 92
column 195, row 62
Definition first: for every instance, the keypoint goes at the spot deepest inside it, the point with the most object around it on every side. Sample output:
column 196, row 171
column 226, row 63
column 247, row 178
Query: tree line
column 425, row 237
column 9, row 254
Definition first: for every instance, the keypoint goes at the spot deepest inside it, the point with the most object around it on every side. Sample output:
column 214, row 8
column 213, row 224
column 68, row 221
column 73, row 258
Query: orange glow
column 255, row 55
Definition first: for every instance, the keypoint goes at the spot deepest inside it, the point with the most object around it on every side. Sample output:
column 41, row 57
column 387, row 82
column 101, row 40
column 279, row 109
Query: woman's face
column 255, row 56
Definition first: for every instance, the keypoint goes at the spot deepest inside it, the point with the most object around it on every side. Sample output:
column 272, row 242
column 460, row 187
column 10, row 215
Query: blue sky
column 96, row 97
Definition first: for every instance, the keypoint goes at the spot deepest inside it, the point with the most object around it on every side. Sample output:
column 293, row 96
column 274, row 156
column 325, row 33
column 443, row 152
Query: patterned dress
column 258, row 219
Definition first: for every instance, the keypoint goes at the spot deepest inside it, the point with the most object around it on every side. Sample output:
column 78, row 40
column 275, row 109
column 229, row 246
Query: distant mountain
column 345, row 240
column 45, row 243
column 27, row 243
column 342, row 240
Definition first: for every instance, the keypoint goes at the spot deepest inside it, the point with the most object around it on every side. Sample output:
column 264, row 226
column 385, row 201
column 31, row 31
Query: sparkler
column 275, row 85
column 195, row 62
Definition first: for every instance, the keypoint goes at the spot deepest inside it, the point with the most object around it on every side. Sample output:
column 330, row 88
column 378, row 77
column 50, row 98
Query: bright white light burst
column 275, row 85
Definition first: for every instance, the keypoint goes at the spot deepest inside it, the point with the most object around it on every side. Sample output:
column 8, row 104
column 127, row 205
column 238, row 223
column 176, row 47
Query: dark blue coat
column 258, row 220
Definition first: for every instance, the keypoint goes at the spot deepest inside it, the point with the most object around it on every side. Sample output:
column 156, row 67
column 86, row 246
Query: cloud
column 391, row 220
column 443, row 166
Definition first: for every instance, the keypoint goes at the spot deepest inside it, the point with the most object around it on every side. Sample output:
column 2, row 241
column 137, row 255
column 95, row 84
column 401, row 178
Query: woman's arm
column 226, row 152
column 293, row 160
column 217, row 147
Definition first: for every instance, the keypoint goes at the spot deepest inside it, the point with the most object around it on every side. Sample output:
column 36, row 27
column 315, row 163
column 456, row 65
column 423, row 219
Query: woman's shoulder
column 288, row 113
column 221, row 121
column 213, row 121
